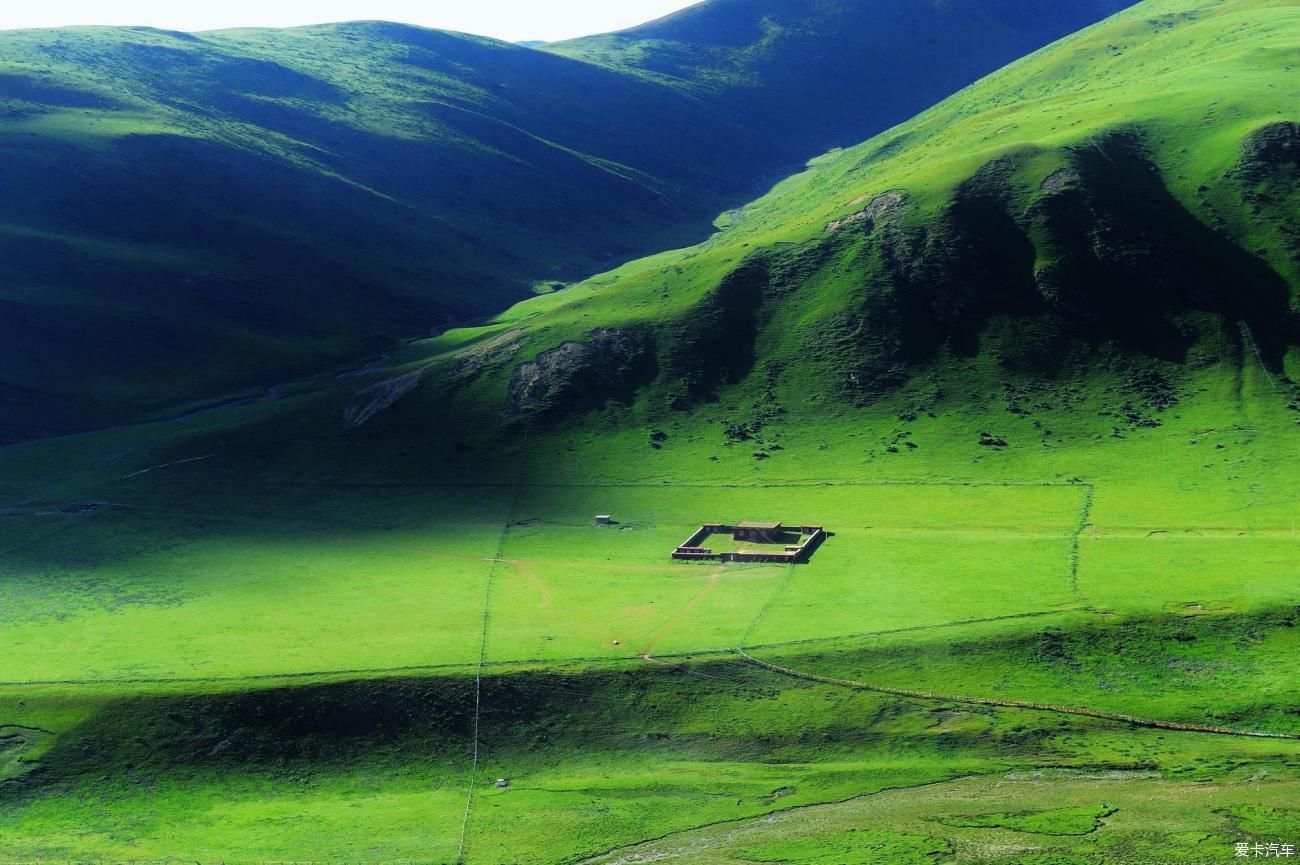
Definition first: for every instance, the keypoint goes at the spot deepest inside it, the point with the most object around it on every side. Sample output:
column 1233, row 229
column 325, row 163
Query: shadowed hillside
column 833, row 72
column 1087, row 232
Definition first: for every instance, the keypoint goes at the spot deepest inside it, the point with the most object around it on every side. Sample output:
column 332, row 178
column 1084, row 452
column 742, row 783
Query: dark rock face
column 1060, row 180
column 1104, row 254
column 715, row 343
column 374, row 399
column 1126, row 258
column 1269, row 151
column 580, row 376
column 1268, row 174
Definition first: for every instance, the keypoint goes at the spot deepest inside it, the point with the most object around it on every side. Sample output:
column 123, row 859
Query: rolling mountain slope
column 1097, row 225
column 1092, row 230
column 188, row 215
column 1029, row 357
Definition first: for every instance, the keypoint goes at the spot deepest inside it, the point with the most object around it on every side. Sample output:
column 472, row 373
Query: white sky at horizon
column 510, row 20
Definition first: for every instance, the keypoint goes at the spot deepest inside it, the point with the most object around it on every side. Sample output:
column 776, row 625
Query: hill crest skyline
column 515, row 21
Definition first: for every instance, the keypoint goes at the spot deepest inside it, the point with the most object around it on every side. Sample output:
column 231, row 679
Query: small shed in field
column 604, row 520
column 762, row 532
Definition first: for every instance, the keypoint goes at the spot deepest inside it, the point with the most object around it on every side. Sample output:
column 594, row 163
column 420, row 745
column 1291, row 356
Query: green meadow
column 330, row 579
column 234, row 671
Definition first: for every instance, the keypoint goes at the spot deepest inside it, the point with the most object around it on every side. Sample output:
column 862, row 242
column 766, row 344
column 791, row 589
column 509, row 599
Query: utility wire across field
column 1081, row 526
column 762, row 611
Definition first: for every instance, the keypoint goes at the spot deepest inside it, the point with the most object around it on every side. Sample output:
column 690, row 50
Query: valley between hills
column 1026, row 348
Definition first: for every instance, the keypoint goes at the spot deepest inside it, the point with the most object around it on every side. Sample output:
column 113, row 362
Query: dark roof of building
column 763, row 526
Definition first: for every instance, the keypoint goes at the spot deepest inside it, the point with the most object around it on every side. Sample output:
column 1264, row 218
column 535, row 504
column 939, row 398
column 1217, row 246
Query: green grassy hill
column 1029, row 357
column 188, row 215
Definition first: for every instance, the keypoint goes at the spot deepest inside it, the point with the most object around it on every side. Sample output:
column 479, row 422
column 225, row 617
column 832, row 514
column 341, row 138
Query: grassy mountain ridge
column 1120, row 205
column 994, row 252
column 251, row 206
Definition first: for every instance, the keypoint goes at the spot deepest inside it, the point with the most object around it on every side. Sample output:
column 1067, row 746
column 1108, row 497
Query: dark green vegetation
column 184, row 216
column 1030, row 356
column 832, row 72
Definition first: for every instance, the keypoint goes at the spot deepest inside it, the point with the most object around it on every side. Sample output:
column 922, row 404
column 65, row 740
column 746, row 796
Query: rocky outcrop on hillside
column 883, row 207
column 372, row 400
column 580, row 376
column 1104, row 253
column 1269, row 151
column 1094, row 257
column 714, row 344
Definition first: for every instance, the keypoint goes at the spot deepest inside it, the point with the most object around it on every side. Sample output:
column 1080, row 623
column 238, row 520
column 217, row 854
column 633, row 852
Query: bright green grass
column 231, row 590
column 232, row 579
column 572, row 588
column 328, row 578
column 561, row 608
column 250, row 610
column 401, row 568
column 1236, row 570
column 366, row 814
column 914, row 579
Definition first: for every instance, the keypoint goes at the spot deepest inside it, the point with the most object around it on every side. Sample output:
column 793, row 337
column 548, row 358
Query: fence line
column 1085, row 517
column 1018, row 704
column 482, row 646
column 1249, row 336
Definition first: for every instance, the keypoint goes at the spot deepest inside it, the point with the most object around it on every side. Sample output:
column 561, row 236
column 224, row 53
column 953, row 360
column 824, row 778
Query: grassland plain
column 225, row 725
column 424, row 596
